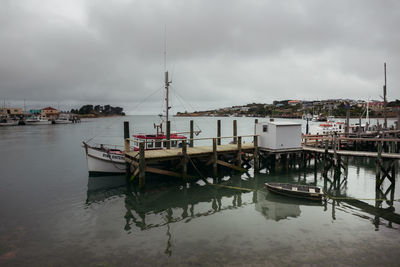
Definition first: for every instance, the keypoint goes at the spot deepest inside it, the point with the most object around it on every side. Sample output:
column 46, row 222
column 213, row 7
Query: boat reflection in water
column 102, row 187
column 275, row 207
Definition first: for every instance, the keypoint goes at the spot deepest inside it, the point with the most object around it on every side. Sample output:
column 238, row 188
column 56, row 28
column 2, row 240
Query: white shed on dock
column 274, row 135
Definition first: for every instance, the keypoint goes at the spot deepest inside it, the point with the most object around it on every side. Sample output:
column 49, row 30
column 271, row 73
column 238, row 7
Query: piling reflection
column 383, row 200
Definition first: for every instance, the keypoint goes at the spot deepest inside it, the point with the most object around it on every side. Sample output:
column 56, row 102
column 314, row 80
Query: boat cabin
column 157, row 141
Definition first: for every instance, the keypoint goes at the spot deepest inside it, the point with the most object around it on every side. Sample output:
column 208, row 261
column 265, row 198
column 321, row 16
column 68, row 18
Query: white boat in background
column 5, row 121
column 63, row 119
column 37, row 121
column 326, row 128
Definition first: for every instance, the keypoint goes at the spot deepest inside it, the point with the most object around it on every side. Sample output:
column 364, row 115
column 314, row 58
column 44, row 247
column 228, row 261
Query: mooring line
column 354, row 198
column 233, row 187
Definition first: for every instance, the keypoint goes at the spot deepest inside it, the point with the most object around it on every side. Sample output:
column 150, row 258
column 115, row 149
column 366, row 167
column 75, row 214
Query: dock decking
column 167, row 154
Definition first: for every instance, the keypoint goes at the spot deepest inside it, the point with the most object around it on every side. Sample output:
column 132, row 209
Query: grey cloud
column 220, row 53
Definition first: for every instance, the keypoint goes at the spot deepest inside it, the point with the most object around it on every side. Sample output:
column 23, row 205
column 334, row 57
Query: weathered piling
column 215, row 158
column 256, row 156
column 191, row 134
column 347, row 129
column 142, row 165
column 234, row 131
column 127, row 145
column 184, row 159
column 219, row 132
column 239, row 153
column 168, row 134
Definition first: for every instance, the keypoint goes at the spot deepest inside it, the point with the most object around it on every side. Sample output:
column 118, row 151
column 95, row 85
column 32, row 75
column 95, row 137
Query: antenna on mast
column 165, row 47
column 167, row 82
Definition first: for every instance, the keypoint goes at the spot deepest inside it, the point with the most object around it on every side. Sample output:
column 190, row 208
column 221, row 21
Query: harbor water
column 53, row 214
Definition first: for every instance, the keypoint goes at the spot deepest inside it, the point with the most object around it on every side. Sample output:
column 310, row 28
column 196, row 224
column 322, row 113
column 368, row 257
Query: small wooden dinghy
column 295, row 190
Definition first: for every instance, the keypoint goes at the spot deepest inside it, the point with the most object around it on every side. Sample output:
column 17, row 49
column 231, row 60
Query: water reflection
column 383, row 200
column 166, row 202
column 276, row 207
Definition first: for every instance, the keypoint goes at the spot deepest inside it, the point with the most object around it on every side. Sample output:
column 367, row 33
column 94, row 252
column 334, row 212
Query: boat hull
column 10, row 123
column 62, row 122
column 37, row 122
column 314, row 193
column 101, row 162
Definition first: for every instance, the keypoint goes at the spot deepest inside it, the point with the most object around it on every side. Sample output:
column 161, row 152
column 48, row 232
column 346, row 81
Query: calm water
column 53, row 214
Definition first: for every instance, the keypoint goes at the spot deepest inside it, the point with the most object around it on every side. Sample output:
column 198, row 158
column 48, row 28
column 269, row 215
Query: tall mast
column 167, row 107
column 384, row 98
column 167, row 82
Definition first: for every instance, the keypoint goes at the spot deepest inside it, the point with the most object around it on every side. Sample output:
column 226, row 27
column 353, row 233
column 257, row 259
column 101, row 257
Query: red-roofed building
column 50, row 113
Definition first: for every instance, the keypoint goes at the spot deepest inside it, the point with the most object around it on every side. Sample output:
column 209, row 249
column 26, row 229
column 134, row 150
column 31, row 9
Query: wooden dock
column 231, row 155
column 240, row 156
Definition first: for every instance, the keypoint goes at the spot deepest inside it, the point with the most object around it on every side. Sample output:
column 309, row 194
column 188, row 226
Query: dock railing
column 336, row 141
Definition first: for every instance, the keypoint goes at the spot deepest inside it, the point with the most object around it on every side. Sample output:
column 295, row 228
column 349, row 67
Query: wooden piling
column 142, row 165
column 191, row 134
column 378, row 165
column 239, row 153
column 215, row 158
column 219, row 132
column 398, row 119
column 234, row 131
column 256, row 156
column 126, row 136
column 184, row 159
column 127, row 146
column 168, row 134
column 347, row 121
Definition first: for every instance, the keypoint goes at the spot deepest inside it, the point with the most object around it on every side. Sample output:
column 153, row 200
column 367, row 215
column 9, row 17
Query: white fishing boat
column 34, row 120
column 63, row 119
column 104, row 160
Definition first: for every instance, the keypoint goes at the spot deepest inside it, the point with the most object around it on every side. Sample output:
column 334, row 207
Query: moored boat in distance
column 5, row 121
column 294, row 190
column 63, row 119
column 37, row 121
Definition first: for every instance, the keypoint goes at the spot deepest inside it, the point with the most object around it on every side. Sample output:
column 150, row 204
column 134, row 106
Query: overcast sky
column 219, row 53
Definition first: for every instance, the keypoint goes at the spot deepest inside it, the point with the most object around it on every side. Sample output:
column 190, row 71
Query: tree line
column 98, row 109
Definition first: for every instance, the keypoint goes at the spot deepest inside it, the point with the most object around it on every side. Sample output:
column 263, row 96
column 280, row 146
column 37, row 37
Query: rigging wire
column 180, row 98
column 120, row 118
